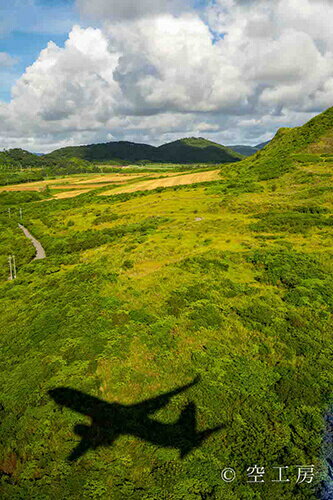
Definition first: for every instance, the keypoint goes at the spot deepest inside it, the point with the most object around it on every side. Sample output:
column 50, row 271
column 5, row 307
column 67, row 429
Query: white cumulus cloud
column 129, row 9
column 153, row 71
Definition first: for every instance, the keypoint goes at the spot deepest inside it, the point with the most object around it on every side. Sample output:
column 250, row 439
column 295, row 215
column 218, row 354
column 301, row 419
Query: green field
column 140, row 293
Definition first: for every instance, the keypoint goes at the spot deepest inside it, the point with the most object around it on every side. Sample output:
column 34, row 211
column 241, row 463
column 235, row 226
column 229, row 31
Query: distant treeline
column 188, row 150
column 18, row 166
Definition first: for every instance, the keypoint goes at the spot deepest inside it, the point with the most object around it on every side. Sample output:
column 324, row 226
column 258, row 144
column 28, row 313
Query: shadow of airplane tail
column 186, row 448
column 191, row 438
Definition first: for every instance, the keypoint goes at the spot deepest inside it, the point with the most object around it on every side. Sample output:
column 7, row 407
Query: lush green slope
column 191, row 150
column 290, row 146
column 17, row 165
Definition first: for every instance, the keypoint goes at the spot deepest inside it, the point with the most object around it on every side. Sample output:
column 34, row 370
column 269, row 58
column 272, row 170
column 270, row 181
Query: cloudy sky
column 82, row 71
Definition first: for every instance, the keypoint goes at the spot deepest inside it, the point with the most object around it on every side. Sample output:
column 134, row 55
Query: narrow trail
column 40, row 252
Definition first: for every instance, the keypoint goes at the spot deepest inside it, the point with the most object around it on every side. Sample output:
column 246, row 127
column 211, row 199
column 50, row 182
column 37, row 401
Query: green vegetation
column 277, row 157
column 199, row 150
column 19, row 158
column 190, row 150
column 18, row 166
column 141, row 292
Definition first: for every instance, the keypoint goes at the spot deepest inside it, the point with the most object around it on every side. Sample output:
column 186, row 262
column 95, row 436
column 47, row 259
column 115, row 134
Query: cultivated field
column 171, row 180
column 74, row 185
column 74, row 181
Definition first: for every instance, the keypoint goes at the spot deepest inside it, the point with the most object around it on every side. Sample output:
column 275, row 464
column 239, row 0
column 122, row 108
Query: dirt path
column 40, row 252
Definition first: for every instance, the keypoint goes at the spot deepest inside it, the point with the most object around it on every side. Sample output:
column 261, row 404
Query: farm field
column 68, row 182
column 72, row 186
column 171, row 180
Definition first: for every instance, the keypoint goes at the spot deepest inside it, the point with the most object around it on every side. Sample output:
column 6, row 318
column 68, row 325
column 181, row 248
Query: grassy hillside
column 191, row 150
column 290, row 146
column 142, row 292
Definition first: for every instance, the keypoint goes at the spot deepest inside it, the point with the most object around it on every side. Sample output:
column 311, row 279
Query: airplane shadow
column 111, row 420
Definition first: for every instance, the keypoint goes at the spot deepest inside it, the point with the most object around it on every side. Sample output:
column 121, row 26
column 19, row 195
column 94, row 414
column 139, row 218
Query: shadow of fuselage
column 111, row 420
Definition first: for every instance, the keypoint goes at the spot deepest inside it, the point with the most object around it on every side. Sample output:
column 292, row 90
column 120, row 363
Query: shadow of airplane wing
column 94, row 407
column 80, row 402
column 91, row 438
column 80, row 450
column 153, row 404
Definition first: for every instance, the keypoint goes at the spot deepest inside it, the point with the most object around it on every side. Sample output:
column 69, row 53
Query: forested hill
column 189, row 150
column 200, row 150
column 19, row 158
column 291, row 146
column 19, row 166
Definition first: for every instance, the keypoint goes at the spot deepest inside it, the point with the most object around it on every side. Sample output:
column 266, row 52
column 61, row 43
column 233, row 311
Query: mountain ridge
column 185, row 150
column 246, row 150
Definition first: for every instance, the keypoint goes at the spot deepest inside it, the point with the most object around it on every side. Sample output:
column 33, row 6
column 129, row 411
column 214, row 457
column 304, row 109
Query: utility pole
column 9, row 212
column 14, row 267
column 21, row 214
column 10, row 267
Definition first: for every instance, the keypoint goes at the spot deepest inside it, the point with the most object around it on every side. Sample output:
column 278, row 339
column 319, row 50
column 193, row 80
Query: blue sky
column 153, row 72
column 26, row 26
column 24, row 47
